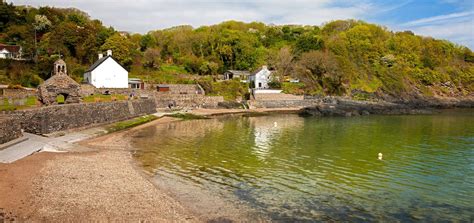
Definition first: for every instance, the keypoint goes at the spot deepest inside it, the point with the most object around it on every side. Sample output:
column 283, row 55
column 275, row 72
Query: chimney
column 100, row 56
column 109, row 52
column 265, row 67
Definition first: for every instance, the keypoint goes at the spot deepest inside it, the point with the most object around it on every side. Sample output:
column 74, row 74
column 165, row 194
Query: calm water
column 291, row 168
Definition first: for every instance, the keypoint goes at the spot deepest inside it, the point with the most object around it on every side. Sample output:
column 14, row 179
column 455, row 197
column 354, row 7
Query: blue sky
column 444, row 19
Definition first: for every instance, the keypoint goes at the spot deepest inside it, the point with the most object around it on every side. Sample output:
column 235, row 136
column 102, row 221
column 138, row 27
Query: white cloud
column 440, row 18
column 145, row 15
column 456, row 27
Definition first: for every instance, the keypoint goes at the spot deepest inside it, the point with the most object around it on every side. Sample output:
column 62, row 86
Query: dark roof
column 10, row 48
column 239, row 72
column 257, row 71
column 260, row 69
column 100, row 61
column 97, row 63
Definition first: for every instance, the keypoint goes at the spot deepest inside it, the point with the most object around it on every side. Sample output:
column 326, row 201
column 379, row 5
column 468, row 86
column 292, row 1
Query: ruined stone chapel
column 59, row 84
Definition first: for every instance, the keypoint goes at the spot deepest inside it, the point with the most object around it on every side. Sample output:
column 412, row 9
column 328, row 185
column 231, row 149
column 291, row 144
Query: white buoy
column 275, row 124
column 380, row 156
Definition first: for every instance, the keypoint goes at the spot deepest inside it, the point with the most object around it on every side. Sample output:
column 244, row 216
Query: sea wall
column 283, row 103
column 163, row 99
column 62, row 117
column 9, row 129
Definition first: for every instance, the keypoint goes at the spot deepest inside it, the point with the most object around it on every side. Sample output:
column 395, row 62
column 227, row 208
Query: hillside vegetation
column 344, row 57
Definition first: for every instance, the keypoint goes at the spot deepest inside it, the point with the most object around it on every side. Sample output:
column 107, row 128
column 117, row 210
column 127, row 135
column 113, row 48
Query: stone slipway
column 56, row 142
column 31, row 143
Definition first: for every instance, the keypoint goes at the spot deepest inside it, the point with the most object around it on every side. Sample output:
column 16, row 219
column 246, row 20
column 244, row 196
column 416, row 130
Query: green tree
column 121, row 47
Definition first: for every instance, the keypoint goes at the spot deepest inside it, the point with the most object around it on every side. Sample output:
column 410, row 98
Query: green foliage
column 103, row 98
column 334, row 59
column 187, row 116
column 230, row 90
column 293, row 88
column 14, row 104
column 121, row 47
column 274, row 84
column 130, row 123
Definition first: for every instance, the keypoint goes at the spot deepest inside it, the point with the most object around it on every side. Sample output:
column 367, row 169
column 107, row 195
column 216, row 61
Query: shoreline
column 99, row 185
column 77, row 184
column 103, row 183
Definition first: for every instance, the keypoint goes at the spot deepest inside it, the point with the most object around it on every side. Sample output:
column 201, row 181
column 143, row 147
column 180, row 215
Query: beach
column 99, row 185
column 95, row 180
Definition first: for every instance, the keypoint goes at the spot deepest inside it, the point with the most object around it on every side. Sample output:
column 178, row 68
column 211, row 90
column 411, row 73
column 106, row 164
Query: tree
column 308, row 42
column 121, row 48
column 152, row 58
column 41, row 23
column 283, row 62
column 320, row 70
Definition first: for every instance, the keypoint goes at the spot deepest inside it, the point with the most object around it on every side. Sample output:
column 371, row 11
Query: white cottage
column 107, row 73
column 261, row 78
column 10, row 52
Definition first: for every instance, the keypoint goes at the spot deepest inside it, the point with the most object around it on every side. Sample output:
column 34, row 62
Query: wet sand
column 103, row 184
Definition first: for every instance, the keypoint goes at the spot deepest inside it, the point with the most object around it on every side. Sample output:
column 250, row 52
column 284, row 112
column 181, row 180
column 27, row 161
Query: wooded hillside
column 337, row 58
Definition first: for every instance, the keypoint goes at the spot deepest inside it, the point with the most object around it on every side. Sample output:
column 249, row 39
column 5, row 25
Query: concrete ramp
column 30, row 144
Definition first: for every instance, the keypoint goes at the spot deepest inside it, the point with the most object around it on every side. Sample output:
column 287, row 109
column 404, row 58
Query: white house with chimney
column 261, row 78
column 106, row 72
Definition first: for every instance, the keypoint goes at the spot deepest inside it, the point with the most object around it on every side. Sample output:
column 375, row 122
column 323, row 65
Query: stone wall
column 62, row 117
column 163, row 99
column 283, row 103
column 179, row 88
column 9, row 129
column 11, row 93
column 277, row 97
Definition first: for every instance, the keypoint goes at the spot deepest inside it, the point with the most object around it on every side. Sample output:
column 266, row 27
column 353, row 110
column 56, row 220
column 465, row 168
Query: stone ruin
column 59, row 84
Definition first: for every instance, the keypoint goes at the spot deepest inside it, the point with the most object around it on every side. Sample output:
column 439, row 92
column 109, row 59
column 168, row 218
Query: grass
column 230, row 90
column 130, row 123
column 187, row 116
column 293, row 88
column 60, row 99
column 173, row 69
column 7, row 106
column 104, row 98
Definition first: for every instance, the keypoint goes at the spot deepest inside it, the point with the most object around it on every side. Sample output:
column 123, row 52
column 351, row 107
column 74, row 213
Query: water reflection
column 323, row 169
column 267, row 130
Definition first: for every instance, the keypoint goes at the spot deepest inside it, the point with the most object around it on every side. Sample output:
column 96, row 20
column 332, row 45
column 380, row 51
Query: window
column 259, row 85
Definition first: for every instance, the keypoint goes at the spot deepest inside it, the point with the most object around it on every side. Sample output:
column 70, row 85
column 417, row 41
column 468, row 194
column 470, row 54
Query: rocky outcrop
column 338, row 106
column 354, row 108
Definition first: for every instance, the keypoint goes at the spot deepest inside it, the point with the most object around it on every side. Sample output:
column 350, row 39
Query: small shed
column 135, row 83
column 236, row 74
column 163, row 88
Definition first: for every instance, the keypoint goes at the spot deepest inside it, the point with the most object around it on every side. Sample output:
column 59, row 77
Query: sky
column 443, row 19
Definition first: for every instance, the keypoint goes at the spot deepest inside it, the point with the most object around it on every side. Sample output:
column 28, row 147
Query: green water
column 291, row 168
